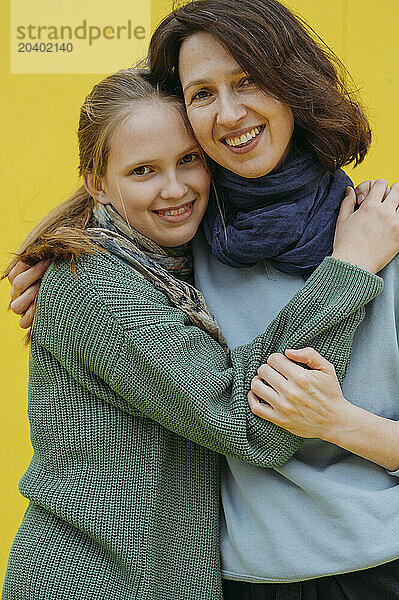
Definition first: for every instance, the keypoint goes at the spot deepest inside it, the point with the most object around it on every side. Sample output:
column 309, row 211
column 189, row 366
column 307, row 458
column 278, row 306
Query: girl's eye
column 201, row 95
column 189, row 158
column 140, row 171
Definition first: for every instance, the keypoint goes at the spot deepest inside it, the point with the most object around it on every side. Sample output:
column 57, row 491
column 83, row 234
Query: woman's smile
column 241, row 143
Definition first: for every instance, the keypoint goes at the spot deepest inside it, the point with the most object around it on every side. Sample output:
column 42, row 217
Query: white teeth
column 243, row 139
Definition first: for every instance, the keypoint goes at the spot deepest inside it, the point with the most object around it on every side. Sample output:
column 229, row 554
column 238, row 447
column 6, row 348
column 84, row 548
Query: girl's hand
column 25, row 282
column 364, row 188
column 308, row 403
column 369, row 236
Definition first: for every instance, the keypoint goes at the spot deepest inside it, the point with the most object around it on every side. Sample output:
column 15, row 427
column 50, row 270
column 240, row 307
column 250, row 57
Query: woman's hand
column 368, row 237
column 25, row 282
column 308, row 403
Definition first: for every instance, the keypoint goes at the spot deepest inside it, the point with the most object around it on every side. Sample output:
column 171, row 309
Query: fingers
column 21, row 304
column 261, row 410
column 377, row 193
column 19, row 268
column 25, row 276
column 264, row 391
column 348, row 204
column 281, row 379
column 271, row 374
column 311, row 358
column 387, row 191
column 273, row 377
column 284, row 366
column 27, row 319
column 363, row 189
column 392, row 198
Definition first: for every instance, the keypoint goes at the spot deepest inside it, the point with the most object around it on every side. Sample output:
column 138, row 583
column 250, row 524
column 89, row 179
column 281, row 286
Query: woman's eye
column 201, row 95
column 189, row 158
column 247, row 81
column 141, row 171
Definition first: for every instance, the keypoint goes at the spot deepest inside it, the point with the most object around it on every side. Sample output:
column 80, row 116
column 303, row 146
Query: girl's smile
column 178, row 214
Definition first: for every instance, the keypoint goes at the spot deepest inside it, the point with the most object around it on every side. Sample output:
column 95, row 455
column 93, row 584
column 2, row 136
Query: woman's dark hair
column 280, row 52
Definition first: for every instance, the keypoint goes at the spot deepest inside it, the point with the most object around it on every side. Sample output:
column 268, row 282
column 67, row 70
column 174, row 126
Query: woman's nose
column 173, row 188
column 230, row 111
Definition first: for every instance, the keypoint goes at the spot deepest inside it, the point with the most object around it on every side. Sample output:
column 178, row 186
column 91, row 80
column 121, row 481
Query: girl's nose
column 174, row 189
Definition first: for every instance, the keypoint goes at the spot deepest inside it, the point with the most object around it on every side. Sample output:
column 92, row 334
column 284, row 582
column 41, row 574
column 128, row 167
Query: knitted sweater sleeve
column 110, row 326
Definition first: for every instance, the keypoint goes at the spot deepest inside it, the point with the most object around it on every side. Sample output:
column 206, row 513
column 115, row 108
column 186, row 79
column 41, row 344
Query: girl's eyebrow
column 204, row 81
column 188, row 150
column 155, row 160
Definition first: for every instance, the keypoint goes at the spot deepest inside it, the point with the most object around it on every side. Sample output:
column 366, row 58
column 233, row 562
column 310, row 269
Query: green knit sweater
column 129, row 406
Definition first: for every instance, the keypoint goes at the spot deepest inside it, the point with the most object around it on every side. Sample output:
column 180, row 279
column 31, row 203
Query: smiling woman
column 328, row 516
column 235, row 122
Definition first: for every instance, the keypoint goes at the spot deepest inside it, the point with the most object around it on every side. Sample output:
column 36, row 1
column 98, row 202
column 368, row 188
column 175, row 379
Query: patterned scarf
column 170, row 270
column 287, row 216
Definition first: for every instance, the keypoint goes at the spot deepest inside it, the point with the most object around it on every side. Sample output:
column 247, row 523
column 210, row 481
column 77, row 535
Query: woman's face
column 155, row 177
column 237, row 124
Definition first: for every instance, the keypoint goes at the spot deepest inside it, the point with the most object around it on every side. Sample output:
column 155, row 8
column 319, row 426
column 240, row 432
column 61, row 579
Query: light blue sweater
column 326, row 510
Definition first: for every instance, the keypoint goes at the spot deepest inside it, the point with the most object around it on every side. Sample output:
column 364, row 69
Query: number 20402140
column 45, row 47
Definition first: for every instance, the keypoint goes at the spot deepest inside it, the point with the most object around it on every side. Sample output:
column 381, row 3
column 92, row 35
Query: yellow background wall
column 38, row 168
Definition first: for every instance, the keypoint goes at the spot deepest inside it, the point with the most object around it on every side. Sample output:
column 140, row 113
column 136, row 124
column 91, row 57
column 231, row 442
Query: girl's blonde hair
column 61, row 234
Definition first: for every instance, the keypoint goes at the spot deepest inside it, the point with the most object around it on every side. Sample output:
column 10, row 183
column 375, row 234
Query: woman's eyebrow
column 193, row 83
column 204, row 81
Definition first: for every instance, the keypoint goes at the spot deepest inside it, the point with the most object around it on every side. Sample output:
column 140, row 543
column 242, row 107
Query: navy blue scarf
column 287, row 217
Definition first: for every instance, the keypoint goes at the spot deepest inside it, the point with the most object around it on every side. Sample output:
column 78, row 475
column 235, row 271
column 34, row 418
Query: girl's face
column 155, row 178
column 237, row 124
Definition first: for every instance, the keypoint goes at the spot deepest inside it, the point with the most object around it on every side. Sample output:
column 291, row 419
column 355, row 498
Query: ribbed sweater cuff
column 334, row 274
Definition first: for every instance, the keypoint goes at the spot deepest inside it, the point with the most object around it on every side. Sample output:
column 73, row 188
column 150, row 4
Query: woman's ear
column 95, row 188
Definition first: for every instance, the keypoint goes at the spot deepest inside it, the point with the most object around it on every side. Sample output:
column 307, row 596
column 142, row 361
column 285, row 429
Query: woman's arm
column 111, row 326
column 25, row 282
column 369, row 436
column 310, row 403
